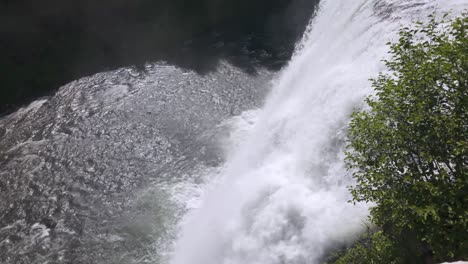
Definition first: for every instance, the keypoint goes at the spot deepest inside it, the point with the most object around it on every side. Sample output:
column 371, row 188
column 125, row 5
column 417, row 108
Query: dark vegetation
column 45, row 44
column 409, row 152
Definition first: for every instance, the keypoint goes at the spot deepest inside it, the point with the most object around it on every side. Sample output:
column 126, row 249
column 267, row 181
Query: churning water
column 165, row 166
column 282, row 196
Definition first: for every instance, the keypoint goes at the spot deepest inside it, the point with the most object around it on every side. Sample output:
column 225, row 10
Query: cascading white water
column 282, row 197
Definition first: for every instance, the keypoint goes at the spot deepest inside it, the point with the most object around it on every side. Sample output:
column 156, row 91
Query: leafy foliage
column 371, row 248
column 409, row 151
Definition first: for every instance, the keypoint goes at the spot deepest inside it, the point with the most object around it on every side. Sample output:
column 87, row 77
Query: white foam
column 282, row 197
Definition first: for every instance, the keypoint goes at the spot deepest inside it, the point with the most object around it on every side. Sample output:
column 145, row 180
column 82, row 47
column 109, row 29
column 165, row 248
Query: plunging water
column 125, row 166
column 282, row 197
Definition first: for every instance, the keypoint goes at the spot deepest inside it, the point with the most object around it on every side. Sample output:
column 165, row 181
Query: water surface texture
column 167, row 166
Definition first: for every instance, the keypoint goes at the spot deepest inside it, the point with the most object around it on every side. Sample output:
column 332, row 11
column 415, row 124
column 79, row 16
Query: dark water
column 45, row 44
column 83, row 173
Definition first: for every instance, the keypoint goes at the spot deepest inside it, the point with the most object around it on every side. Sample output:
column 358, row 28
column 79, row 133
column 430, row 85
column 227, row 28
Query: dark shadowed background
column 45, row 44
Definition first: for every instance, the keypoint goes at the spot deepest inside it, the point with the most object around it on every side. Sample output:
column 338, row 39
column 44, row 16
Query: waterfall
column 282, row 197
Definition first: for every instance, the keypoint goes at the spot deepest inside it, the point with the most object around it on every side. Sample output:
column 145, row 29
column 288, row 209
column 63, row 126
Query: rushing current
column 166, row 166
column 282, row 196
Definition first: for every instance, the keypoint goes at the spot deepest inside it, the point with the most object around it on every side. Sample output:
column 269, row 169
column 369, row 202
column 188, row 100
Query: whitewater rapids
column 282, row 196
column 163, row 165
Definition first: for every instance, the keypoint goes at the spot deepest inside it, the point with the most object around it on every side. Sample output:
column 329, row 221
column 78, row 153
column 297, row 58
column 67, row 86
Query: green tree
column 371, row 248
column 409, row 150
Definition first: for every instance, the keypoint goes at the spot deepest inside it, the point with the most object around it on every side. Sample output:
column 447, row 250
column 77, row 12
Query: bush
column 371, row 248
column 409, row 152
